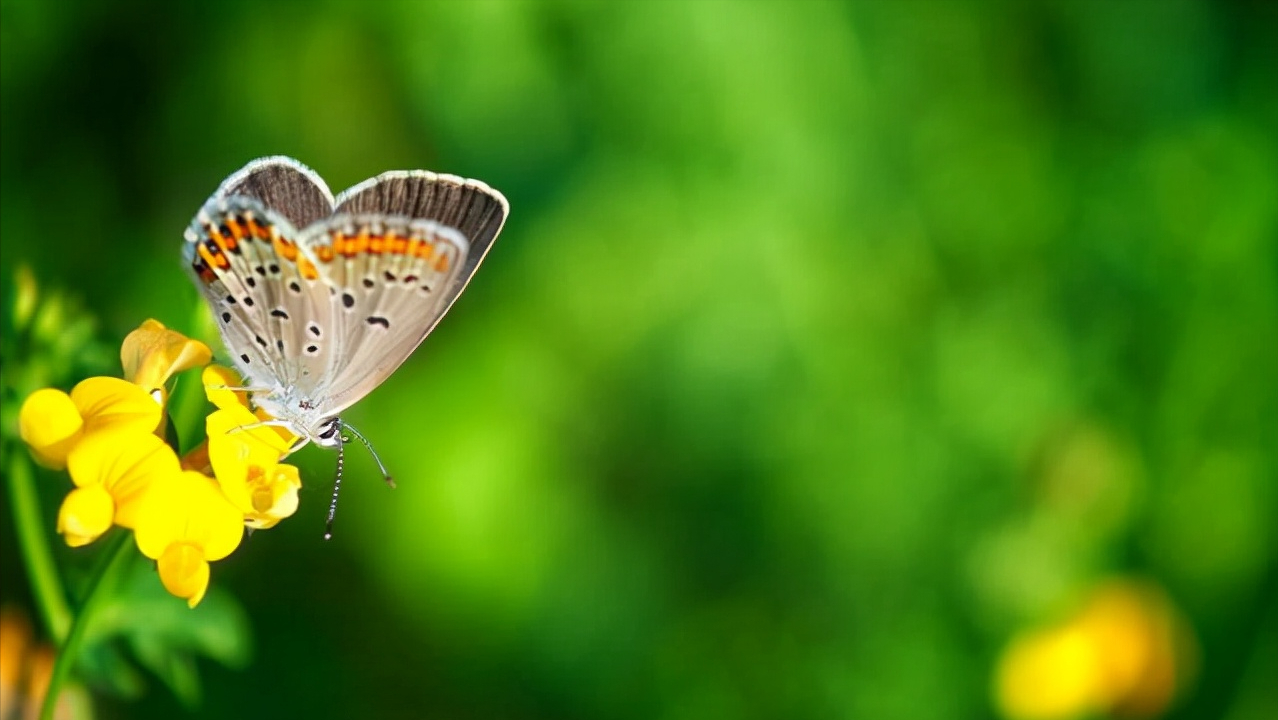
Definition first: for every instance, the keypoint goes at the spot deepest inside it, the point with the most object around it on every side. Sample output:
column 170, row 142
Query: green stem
column 37, row 556
column 112, row 562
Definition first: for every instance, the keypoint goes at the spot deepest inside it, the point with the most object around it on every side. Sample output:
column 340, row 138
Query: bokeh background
column 828, row 349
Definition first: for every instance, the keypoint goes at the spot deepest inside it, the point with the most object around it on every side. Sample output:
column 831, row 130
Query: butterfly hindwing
column 289, row 188
column 265, row 292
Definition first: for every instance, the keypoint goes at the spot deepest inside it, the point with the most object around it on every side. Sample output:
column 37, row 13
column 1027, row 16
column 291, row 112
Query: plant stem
column 33, row 540
column 113, row 560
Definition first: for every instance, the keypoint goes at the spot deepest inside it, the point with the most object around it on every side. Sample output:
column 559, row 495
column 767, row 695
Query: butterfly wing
column 399, row 251
column 468, row 206
column 388, row 280
column 284, row 185
column 266, row 293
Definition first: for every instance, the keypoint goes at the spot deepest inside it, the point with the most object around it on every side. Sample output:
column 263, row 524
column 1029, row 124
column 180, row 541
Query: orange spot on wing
column 377, row 243
column 399, row 246
column 359, row 244
column 326, row 253
column 213, row 259
column 441, row 263
column 218, row 238
column 284, row 248
column 307, row 269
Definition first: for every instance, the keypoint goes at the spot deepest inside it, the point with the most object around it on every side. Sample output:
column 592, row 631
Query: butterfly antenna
column 389, row 480
column 337, row 486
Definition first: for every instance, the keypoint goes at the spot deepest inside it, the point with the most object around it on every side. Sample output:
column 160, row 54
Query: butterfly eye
column 328, row 434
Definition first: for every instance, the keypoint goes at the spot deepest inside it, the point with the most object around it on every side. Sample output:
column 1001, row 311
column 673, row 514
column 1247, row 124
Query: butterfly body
column 319, row 299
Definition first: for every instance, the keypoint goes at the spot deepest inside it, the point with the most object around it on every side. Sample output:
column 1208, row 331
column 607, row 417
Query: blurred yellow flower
column 1122, row 653
column 52, row 422
column 246, row 461
column 184, row 523
column 25, row 669
column 152, row 354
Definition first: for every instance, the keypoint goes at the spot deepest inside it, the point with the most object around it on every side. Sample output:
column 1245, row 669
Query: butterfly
column 318, row 298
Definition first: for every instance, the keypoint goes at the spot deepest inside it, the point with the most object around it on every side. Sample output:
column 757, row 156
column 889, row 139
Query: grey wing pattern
column 326, row 297
column 468, row 206
column 266, row 294
column 389, row 278
column 284, row 185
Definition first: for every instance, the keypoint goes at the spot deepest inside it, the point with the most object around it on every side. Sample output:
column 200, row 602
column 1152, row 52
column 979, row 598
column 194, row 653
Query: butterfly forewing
column 387, row 277
column 468, row 206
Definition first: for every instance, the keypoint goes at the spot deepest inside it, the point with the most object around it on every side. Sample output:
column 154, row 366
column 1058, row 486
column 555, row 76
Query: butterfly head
column 329, row 433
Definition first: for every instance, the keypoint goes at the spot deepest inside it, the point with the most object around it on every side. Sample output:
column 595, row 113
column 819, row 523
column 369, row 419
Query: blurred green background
column 827, row 345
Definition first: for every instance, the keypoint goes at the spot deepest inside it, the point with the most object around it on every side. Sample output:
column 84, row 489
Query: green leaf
column 166, row 637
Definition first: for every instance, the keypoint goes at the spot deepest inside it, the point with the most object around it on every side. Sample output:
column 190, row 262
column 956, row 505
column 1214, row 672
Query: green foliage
column 827, row 344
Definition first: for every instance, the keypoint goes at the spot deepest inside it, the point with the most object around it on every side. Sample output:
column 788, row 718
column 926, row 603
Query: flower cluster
column 184, row 512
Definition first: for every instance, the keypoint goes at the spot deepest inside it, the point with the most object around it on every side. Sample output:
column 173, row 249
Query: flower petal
column 125, row 463
column 50, row 424
column 107, row 402
column 153, row 353
column 274, row 497
column 85, row 514
column 187, row 507
column 218, row 381
column 236, row 447
column 184, row 572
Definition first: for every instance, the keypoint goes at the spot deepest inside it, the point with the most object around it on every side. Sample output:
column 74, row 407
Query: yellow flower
column 112, row 472
column 184, row 523
column 246, row 461
column 52, row 423
column 152, row 354
column 1124, row 651
column 219, row 380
